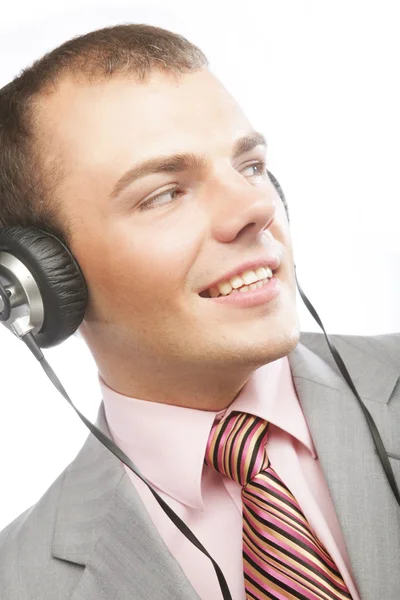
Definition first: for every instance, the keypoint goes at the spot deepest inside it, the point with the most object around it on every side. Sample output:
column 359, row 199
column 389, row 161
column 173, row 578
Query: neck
column 205, row 387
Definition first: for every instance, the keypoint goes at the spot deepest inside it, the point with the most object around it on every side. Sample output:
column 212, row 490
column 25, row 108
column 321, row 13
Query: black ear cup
column 278, row 188
column 58, row 276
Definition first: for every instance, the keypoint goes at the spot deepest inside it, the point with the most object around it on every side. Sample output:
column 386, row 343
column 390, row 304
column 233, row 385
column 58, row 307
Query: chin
column 276, row 344
column 286, row 343
column 251, row 352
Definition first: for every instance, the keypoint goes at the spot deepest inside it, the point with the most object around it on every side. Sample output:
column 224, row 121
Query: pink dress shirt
column 168, row 443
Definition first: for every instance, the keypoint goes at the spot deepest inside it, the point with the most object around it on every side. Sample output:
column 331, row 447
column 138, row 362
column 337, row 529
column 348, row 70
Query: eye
column 259, row 170
column 260, row 166
column 155, row 200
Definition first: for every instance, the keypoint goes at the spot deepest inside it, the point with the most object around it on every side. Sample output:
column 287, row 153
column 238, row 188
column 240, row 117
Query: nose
column 240, row 208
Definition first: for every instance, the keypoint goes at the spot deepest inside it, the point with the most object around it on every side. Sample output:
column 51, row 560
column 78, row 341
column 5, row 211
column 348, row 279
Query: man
column 125, row 145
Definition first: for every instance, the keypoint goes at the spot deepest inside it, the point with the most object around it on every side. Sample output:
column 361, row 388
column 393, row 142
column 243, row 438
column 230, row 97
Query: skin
column 151, row 334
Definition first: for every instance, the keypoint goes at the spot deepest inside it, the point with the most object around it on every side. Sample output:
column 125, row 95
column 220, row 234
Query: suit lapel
column 103, row 525
column 366, row 509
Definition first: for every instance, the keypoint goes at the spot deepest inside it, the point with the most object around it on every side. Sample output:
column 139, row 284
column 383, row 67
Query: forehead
column 123, row 120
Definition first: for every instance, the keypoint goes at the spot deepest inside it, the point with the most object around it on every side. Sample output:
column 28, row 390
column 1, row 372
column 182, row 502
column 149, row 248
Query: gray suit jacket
column 90, row 537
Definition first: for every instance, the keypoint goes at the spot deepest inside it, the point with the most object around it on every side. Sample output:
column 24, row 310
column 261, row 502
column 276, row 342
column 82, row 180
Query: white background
column 321, row 80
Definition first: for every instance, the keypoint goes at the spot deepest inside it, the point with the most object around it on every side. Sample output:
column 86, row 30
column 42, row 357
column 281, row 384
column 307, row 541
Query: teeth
column 214, row 292
column 249, row 280
column 238, row 281
column 261, row 272
column 253, row 286
column 225, row 288
column 249, row 277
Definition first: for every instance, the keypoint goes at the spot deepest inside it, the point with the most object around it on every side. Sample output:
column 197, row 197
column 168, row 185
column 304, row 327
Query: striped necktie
column 282, row 557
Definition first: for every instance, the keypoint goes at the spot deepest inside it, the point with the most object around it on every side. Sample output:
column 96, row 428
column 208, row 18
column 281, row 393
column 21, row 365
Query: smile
column 244, row 282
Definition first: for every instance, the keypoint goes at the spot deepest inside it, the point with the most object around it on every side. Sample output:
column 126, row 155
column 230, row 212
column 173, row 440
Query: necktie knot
column 236, row 447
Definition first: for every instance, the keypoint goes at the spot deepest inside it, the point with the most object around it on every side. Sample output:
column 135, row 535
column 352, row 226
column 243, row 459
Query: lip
column 272, row 262
column 257, row 297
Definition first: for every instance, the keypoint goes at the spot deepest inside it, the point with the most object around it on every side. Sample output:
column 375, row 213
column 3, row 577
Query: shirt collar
column 168, row 443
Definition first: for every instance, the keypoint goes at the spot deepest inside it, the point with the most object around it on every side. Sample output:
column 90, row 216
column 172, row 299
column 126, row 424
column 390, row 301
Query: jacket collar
column 373, row 377
column 103, row 525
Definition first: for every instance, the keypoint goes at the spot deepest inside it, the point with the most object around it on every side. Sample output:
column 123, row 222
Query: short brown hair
column 26, row 188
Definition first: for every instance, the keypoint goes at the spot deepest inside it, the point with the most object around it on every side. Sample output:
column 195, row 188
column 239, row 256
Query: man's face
column 146, row 262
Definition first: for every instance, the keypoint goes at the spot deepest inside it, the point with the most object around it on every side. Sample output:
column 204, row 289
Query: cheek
column 136, row 268
column 280, row 228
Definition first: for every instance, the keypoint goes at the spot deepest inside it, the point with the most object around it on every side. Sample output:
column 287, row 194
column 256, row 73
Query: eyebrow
column 176, row 163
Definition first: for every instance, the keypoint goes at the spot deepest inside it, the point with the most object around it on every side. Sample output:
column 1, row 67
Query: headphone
column 44, row 290
column 43, row 300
